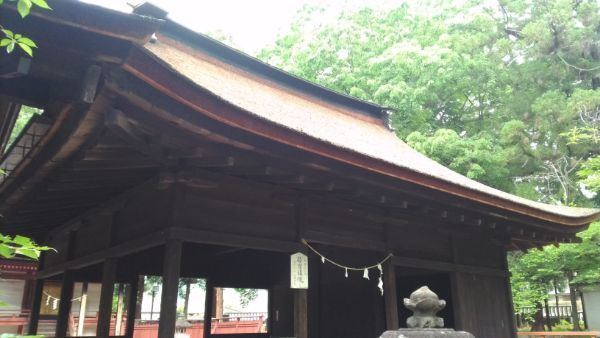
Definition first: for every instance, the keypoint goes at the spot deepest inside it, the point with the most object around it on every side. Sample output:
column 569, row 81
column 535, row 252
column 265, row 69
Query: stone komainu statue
column 424, row 304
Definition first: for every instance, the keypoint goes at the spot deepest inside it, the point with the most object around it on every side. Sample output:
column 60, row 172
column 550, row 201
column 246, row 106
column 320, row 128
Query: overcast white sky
column 251, row 23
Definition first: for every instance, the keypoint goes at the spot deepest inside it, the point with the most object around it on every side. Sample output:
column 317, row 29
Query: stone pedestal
column 426, row 333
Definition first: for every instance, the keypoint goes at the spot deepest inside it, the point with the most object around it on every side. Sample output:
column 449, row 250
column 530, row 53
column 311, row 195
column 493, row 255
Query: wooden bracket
column 14, row 66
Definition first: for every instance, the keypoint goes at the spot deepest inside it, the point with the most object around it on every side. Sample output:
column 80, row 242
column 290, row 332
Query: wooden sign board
column 299, row 271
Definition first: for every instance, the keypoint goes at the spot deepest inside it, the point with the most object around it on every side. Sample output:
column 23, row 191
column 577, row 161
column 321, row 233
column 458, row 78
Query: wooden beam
column 149, row 241
column 64, row 307
column 217, row 238
column 445, row 266
column 390, row 297
column 170, row 280
column 109, row 272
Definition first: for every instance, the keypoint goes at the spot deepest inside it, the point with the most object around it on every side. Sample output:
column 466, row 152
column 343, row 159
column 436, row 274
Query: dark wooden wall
column 482, row 304
column 466, row 267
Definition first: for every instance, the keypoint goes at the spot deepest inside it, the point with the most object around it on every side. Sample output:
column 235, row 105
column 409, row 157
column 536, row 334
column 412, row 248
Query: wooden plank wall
column 482, row 305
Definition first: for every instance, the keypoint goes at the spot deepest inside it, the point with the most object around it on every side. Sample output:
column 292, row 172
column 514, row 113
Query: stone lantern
column 181, row 326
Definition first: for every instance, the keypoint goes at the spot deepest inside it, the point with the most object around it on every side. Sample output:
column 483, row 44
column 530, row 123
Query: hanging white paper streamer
column 365, row 270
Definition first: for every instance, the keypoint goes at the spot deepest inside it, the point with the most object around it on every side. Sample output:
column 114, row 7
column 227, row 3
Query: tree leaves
column 24, row 7
column 11, row 39
column 20, row 246
column 41, row 3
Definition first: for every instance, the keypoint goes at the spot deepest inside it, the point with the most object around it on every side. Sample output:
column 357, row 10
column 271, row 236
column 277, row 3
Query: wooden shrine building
column 163, row 152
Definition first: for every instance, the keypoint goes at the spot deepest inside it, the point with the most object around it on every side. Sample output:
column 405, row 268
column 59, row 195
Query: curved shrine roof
column 273, row 100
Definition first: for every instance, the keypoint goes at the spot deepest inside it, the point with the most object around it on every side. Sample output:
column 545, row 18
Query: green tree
column 534, row 274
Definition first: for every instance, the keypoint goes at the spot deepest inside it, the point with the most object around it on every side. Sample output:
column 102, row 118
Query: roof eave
column 161, row 77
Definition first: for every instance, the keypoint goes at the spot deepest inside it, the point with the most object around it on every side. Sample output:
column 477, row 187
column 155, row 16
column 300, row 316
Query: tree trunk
column 574, row 313
column 547, row 318
column 556, row 299
column 187, row 298
column 538, row 318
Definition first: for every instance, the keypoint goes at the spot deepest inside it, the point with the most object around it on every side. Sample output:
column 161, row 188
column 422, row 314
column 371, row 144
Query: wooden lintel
column 446, row 266
column 387, row 219
column 210, row 162
column 152, row 240
column 216, row 238
column 345, row 241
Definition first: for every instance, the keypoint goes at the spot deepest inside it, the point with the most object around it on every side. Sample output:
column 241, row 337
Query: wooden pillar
column 300, row 295
column 64, row 308
column 132, row 304
column 314, row 290
column 390, row 298
column 510, row 306
column 82, row 309
column 300, row 313
column 170, row 279
column 36, row 305
column 109, row 273
column 208, row 306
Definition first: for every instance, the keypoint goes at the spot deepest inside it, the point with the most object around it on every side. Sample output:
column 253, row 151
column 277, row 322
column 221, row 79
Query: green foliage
column 564, row 325
column 590, row 174
column 24, row 117
column 12, row 39
column 533, row 274
column 478, row 158
column 20, row 246
column 246, row 295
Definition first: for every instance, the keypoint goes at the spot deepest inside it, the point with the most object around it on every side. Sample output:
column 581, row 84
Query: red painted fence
column 150, row 330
